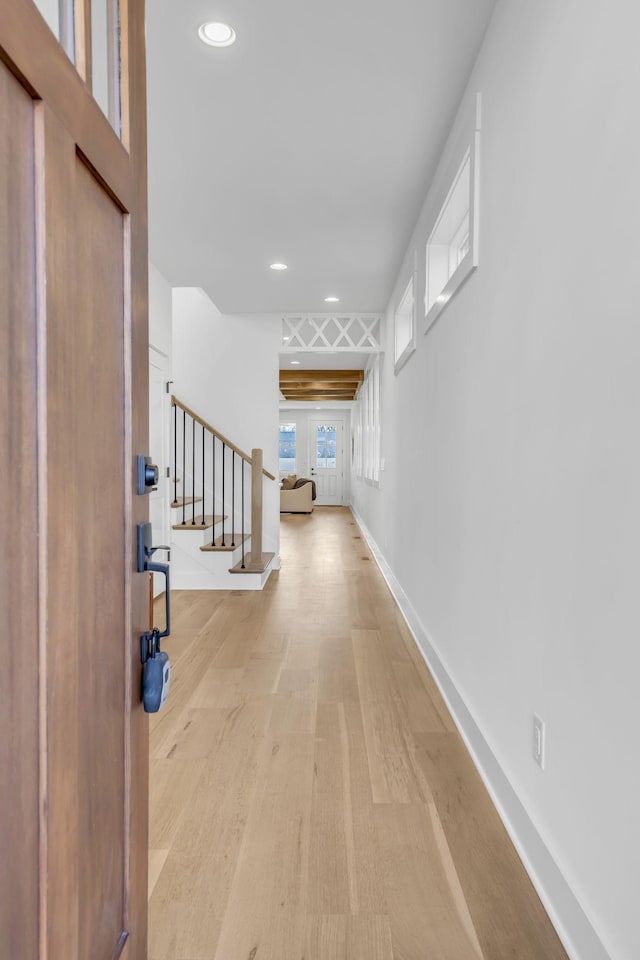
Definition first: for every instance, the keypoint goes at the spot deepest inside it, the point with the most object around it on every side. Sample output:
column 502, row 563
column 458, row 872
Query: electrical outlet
column 539, row 737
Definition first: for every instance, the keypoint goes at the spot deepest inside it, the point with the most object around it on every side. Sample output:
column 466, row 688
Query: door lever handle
column 163, row 568
column 149, row 551
column 156, row 669
column 146, row 565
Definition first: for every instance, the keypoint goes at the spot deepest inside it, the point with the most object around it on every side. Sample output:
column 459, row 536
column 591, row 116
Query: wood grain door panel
column 86, row 681
column 18, row 555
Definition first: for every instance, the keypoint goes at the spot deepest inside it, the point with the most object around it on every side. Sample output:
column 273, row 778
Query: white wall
column 160, row 308
column 519, row 415
column 301, row 418
column 159, row 406
column 225, row 368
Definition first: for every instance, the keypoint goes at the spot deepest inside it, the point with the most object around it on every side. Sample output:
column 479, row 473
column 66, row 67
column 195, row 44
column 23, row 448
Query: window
column 287, row 448
column 405, row 326
column 326, row 447
column 105, row 58
column 452, row 248
column 60, row 16
column 366, row 426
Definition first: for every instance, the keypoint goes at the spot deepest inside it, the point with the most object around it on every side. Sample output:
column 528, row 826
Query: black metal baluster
column 184, row 464
column 243, row 513
column 233, row 498
column 213, row 481
column 193, row 473
column 204, row 499
column 175, row 454
column 223, row 500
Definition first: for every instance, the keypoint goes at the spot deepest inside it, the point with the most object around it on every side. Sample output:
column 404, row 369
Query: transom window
column 405, row 329
column 452, row 247
column 449, row 242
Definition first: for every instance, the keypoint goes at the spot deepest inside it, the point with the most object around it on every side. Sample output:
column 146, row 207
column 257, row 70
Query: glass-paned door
column 326, row 460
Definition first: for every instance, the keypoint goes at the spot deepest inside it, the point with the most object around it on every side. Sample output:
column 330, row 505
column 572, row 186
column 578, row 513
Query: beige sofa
column 297, row 501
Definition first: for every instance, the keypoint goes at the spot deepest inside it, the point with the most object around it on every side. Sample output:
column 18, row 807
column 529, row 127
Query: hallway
column 310, row 797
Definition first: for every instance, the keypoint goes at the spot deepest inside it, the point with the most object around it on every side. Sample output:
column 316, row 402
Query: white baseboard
column 577, row 934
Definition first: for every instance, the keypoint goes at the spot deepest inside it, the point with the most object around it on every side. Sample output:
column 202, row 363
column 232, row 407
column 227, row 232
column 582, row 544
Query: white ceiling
column 347, row 360
column 312, row 141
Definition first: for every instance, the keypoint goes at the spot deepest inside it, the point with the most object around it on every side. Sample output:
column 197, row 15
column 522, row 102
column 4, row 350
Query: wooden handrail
column 203, row 423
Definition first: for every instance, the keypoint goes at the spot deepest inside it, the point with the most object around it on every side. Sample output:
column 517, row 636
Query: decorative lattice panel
column 329, row 333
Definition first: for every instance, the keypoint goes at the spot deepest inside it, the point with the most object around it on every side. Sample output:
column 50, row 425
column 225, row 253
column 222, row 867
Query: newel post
column 256, row 506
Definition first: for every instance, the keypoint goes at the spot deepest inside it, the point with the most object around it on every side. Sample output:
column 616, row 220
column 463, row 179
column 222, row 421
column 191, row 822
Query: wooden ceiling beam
column 318, row 393
column 321, row 396
column 318, row 388
column 334, row 376
column 319, row 385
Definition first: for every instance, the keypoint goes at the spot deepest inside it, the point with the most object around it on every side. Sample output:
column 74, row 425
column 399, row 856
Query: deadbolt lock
column 147, row 475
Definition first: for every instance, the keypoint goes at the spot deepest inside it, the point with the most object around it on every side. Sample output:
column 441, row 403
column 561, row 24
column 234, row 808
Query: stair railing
column 193, row 435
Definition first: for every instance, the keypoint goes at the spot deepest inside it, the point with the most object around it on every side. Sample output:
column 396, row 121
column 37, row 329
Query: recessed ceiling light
column 295, row 362
column 332, row 299
column 285, row 338
column 217, row 34
column 278, row 266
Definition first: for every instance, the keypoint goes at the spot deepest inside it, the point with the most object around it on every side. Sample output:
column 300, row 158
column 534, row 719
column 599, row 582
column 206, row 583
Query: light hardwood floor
column 310, row 796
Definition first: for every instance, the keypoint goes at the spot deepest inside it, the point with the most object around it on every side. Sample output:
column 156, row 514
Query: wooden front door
column 73, row 414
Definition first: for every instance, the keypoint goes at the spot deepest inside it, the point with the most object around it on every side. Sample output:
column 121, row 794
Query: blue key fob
column 156, row 678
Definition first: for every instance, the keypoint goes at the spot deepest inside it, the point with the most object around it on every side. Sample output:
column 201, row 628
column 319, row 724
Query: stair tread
column 209, row 521
column 249, row 567
column 175, row 504
column 218, row 548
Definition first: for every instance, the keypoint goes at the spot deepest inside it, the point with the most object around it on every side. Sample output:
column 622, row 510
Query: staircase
column 216, row 508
